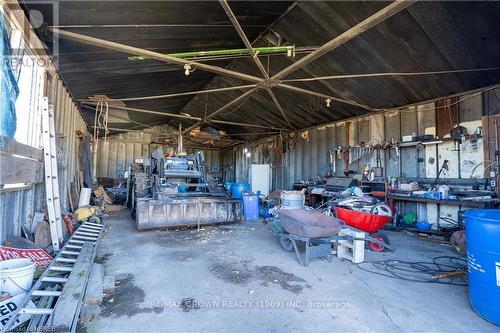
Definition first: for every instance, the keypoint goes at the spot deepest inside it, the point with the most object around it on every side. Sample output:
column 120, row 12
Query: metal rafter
column 219, row 110
column 153, row 55
column 198, row 119
column 346, row 36
column 256, row 59
column 243, row 37
column 143, row 98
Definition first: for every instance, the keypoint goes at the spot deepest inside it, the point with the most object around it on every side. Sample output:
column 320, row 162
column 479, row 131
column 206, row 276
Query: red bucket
column 363, row 221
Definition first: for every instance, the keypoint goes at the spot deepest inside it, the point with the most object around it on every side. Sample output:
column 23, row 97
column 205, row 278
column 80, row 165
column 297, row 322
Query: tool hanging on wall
column 356, row 153
column 443, row 167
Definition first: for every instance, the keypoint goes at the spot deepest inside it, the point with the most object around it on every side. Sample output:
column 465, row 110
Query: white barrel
column 292, row 199
column 84, row 197
column 16, row 276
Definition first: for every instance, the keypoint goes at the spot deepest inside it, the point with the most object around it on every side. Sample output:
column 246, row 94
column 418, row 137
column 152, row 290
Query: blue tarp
column 8, row 87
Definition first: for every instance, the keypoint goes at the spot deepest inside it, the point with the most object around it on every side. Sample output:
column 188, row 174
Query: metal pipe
column 313, row 93
column 228, row 52
column 346, row 36
column 206, row 91
column 222, row 108
column 449, row 181
column 217, row 121
column 278, row 105
column 243, row 37
column 153, row 55
column 256, row 59
column 354, row 76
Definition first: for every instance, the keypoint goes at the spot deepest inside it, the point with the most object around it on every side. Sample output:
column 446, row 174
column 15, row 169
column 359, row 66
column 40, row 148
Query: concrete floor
column 243, row 281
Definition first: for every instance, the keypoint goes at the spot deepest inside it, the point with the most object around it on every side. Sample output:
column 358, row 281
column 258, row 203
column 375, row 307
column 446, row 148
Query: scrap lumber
column 95, row 285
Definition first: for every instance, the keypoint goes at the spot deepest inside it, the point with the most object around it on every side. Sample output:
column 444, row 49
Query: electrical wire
column 101, row 119
column 420, row 271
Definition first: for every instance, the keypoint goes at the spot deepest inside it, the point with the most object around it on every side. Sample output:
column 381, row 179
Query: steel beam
column 153, row 55
column 318, row 94
column 364, row 75
column 243, row 37
column 256, row 59
column 278, row 105
column 346, row 36
column 222, row 108
column 143, row 98
column 198, row 119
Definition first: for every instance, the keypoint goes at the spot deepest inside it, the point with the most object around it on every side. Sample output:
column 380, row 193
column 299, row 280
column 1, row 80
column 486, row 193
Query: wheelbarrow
column 367, row 222
column 314, row 230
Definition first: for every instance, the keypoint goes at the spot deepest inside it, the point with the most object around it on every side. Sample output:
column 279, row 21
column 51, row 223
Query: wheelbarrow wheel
column 95, row 219
column 377, row 247
column 286, row 244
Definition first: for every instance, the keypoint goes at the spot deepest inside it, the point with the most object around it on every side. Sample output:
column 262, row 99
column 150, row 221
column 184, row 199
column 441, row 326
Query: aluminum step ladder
column 51, row 174
column 55, row 275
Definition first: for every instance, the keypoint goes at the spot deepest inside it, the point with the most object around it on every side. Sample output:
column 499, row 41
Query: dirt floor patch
column 188, row 304
column 126, row 300
column 236, row 273
column 240, row 273
column 272, row 274
column 102, row 259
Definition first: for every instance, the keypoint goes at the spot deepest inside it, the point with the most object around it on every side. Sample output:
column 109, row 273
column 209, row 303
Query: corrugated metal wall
column 68, row 121
column 307, row 155
column 118, row 152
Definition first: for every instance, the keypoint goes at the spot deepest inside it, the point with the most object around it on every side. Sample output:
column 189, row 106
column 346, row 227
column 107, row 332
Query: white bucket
column 16, row 276
column 292, row 199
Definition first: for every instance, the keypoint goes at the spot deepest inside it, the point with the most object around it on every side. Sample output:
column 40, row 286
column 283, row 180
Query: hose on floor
column 442, row 270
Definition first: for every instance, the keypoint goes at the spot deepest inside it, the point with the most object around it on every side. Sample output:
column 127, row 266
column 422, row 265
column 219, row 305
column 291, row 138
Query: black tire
column 286, row 244
column 95, row 219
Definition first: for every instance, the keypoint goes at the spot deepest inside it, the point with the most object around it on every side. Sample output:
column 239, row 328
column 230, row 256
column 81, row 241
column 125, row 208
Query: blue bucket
column 482, row 230
column 250, row 206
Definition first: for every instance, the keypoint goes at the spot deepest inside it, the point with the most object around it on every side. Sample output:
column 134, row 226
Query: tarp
column 8, row 86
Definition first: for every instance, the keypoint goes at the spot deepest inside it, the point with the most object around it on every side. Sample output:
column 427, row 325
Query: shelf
column 464, row 203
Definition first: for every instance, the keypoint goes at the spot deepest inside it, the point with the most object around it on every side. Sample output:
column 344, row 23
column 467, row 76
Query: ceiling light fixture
column 187, row 68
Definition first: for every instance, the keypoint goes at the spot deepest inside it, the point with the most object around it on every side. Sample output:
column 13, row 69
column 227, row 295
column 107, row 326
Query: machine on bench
column 182, row 194
column 336, row 185
column 320, row 190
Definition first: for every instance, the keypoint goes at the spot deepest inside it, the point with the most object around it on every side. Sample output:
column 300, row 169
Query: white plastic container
column 85, row 193
column 16, row 276
column 292, row 199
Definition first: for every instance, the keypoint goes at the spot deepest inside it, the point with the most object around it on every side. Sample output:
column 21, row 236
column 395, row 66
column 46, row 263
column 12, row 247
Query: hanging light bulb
column 328, row 101
column 187, row 68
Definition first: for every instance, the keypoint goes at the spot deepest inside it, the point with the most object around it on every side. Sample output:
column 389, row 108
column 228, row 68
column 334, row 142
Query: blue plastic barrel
column 482, row 229
column 250, row 206
column 237, row 188
column 228, row 185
